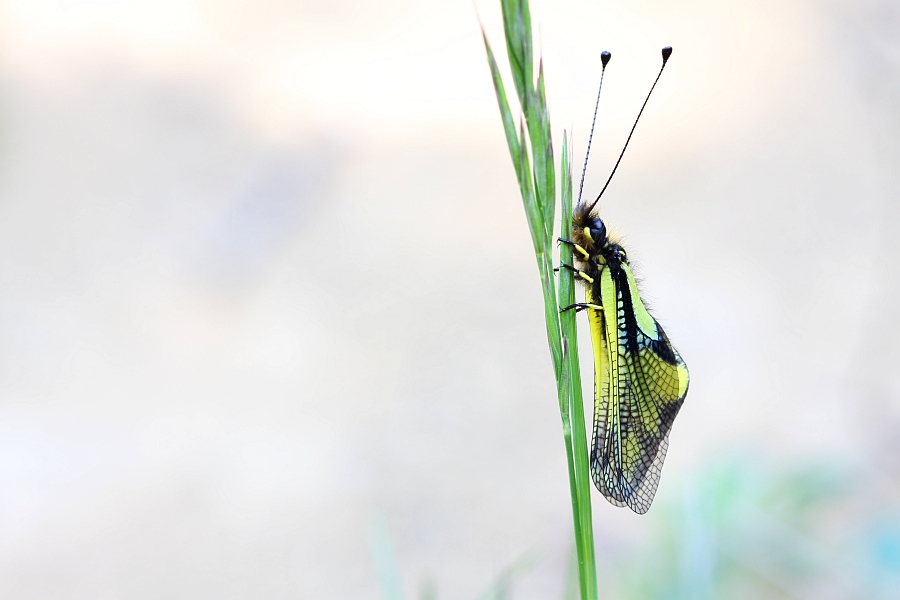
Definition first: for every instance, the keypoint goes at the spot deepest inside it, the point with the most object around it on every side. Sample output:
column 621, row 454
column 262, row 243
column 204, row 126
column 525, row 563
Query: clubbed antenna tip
column 605, row 56
column 666, row 52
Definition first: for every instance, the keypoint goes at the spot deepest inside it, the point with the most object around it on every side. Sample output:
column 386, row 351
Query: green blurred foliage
column 739, row 530
column 743, row 531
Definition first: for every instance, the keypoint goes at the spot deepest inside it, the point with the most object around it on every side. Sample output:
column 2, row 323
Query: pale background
column 265, row 276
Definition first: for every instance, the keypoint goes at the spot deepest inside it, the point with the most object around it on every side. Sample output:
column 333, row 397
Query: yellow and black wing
column 640, row 384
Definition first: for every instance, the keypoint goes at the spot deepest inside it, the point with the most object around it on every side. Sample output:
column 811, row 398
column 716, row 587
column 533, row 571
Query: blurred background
column 270, row 316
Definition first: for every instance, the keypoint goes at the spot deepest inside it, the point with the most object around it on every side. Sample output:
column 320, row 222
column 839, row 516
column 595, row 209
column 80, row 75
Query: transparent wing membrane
column 640, row 384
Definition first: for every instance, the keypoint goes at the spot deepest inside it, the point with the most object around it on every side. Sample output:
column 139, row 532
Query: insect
column 640, row 380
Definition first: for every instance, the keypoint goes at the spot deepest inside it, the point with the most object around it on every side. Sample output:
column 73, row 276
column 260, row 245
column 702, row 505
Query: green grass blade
column 581, row 501
column 541, row 123
column 570, row 590
column 509, row 124
column 536, row 174
column 526, row 188
column 551, row 317
column 517, row 27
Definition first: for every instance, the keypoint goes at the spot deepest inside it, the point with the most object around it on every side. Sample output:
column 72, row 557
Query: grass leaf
column 536, row 175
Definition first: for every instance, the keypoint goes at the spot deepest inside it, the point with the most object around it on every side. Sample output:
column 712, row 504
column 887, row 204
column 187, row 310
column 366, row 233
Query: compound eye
column 598, row 231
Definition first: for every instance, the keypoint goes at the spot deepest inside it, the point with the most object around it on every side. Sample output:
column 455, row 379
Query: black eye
column 598, row 231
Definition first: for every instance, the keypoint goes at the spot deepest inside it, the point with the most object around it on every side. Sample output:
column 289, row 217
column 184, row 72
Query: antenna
column 666, row 53
column 604, row 59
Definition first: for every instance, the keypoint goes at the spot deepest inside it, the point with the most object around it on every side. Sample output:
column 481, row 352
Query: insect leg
column 578, row 273
column 576, row 247
column 581, row 306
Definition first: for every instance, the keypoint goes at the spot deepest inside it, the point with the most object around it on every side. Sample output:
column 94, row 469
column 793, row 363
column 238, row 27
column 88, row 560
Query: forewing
column 636, row 399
